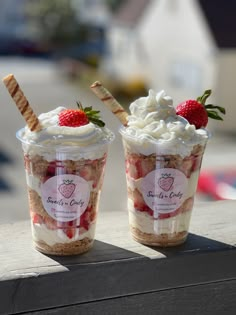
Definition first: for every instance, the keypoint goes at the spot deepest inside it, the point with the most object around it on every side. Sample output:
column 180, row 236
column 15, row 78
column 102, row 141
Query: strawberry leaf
column 214, row 115
column 79, row 105
column 87, row 109
column 210, row 106
column 97, row 122
column 92, row 115
column 92, row 112
column 202, row 99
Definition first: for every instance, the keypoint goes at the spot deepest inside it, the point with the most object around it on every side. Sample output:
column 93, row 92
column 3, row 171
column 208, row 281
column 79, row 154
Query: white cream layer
column 56, row 142
column 145, row 223
column 52, row 130
column 40, row 232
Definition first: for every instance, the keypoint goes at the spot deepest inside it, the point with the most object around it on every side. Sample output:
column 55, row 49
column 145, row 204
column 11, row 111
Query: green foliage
column 55, row 20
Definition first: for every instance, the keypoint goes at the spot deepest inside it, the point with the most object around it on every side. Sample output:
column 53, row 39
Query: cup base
column 158, row 240
column 73, row 248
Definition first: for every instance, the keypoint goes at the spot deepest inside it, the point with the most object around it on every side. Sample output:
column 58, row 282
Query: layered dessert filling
column 64, row 173
column 51, row 224
column 173, row 217
column 163, row 159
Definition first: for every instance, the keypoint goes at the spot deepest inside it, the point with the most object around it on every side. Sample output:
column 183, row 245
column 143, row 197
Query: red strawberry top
column 79, row 117
column 197, row 113
column 73, row 118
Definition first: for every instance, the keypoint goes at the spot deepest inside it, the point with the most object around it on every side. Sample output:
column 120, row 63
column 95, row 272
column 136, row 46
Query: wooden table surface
column 121, row 276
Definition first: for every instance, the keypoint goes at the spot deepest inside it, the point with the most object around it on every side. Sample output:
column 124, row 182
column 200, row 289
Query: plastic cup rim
column 58, row 147
column 128, row 136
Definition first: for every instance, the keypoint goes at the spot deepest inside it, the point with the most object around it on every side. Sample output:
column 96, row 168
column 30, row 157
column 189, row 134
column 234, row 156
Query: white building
column 176, row 46
column 93, row 12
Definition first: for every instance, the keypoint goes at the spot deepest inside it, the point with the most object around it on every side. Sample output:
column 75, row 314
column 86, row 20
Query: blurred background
column 57, row 49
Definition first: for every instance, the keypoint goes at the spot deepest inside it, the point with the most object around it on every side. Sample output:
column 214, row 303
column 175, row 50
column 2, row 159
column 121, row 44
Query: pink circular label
column 65, row 197
column 164, row 189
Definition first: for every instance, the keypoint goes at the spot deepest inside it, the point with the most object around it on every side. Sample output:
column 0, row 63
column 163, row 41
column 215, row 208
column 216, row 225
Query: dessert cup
column 161, row 189
column 64, row 183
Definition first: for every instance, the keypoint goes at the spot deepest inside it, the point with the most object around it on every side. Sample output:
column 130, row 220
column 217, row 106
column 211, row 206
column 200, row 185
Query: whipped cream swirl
column 53, row 137
column 153, row 125
column 53, row 133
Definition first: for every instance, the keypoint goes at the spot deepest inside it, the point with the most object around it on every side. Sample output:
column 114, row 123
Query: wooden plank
column 117, row 266
column 217, row 298
column 112, row 280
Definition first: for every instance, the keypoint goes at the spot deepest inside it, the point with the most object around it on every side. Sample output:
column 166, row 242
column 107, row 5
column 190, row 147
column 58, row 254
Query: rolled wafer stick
column 22, row 103
column 105, row 96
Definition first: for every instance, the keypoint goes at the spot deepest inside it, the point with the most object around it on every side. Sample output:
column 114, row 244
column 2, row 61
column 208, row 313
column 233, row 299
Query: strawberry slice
column 50, row 223
column 84, row 220
column 36, row 218
column 130, row 170
column 69, row 228
column 137, row 167
column 70, row 232
column 87, row 172
column 162, row 216
column 139, row 203
column 186, row 166
column 87, row 217
column 92, row 171
column 54, row 168
column 146, row 165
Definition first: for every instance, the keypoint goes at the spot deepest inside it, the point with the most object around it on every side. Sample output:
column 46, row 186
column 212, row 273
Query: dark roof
column 220, row 16
column 131, row 11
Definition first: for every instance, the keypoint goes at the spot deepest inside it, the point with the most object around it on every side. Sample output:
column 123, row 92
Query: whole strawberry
column 79, row 117
column 197, row 113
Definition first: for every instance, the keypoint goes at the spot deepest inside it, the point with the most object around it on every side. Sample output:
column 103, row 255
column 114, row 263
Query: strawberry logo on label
column 166, row 182
column 164, row 190
column 65, row 197
column 67, row 188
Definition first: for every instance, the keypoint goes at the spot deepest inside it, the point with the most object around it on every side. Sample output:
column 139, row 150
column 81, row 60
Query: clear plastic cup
column 161, row 190
column 64, row 183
